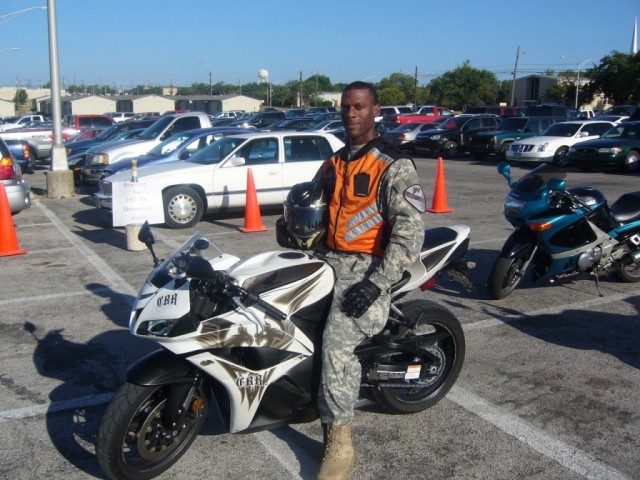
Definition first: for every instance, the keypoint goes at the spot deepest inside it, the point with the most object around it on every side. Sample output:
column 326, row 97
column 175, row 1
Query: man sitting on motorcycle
column 374, row 231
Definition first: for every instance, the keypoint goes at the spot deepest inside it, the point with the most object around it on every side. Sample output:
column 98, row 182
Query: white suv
column 552, row 145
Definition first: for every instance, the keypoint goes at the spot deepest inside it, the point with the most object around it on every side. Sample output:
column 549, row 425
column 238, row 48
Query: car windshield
column 452, row 123
column 107, row 133
column 217, row 151
column 538, row 178
column 169, row 145
column 629, row 130
column 515, row 124
column 156, row 128
column 561, row 130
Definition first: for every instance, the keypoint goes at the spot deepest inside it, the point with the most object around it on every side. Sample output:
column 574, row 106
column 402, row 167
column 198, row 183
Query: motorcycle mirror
column 504, row 169
column 145, row 235
column 200, row 269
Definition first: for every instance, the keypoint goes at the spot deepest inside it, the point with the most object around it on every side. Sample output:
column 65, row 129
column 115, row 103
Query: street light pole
column 579, row 65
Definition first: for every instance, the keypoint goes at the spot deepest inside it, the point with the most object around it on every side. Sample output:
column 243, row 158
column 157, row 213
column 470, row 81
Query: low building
column 7, row 108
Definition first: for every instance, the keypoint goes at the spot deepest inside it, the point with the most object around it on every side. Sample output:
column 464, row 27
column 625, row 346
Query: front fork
column 179, row 403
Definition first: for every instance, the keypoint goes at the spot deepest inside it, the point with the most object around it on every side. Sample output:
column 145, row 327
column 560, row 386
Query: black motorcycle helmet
column 305, row 215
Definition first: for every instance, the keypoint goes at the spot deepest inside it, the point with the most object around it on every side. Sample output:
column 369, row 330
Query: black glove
column 359, row 297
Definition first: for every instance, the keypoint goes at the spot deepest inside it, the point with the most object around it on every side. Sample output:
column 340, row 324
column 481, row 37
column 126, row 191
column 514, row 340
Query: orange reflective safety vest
column 356, row 223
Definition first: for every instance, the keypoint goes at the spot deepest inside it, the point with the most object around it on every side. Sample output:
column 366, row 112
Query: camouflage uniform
column 341, row 371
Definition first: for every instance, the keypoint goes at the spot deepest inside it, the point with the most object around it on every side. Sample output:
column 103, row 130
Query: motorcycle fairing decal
column 251, row 384
column 276, row 279
column 214, row 335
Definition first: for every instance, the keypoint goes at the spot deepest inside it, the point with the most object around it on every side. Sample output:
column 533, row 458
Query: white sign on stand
column 136, row 202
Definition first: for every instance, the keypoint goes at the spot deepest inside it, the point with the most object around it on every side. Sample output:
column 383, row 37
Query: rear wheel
column 32, row 162
column 438, row 334
column 629, row 271
column 183, row 207
column 505, row 276
column 560, row 157
column 133, row 441
column 631, row 162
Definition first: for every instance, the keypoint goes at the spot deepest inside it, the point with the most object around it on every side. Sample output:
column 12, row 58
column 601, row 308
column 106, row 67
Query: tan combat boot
column 339, row 455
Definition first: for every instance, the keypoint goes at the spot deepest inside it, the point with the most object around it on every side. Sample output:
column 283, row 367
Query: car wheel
column 32, row 163
column 502, row 154
column 183, row 207
column 450, row 149
column 560, row 157
column 631, row 162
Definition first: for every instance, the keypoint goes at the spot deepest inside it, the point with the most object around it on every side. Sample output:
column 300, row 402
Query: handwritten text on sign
column 135, row 202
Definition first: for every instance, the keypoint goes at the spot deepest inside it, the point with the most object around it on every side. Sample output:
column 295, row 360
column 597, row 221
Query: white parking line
column 564, row 454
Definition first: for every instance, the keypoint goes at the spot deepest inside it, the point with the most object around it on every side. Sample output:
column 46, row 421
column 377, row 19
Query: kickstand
column 598, row 284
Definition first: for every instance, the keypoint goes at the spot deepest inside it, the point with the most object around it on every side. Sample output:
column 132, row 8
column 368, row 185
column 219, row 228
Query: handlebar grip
column 273, row 312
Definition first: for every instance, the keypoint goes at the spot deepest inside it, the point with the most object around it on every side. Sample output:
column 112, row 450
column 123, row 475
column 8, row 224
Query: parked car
column 114, row 132
column 178, row 147
column 77, row 161
column 22, row 154
column 552, row 145
column 452, row 136
column 500, row 111
column 215, row 178
column 18, row 191
column 296, row 124
column 403, row 136
column 88, row 134
column 496, row 142
column 121, row 116
column 313, row 111
column 23, row 121
column 329, row 126
column 615, row 119
column 626, row 110
column 618, row 149
column 259, row 120
column 76, row 123
column 295, row 113
column 549, row 110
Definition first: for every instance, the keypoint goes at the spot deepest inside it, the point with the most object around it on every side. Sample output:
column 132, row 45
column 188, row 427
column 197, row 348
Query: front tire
column 560, row 157
column 505, row 276
column 132, row 441
column 183, row 207
column 450, row 150
column 631, row 161
column 442, row 336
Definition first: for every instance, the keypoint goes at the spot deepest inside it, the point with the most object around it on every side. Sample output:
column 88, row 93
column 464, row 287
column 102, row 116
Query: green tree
column 20, row 98
column 402, row 82
column 465, row 86
column 391, row 96
column 617, row 77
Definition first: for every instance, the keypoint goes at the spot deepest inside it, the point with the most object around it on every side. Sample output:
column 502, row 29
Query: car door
column 260, row 155
column 474, row 125
column 303, row 157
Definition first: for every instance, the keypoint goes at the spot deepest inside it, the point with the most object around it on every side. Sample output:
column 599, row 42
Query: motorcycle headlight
column 610, row 150
column 158, row 328
column 513, row 205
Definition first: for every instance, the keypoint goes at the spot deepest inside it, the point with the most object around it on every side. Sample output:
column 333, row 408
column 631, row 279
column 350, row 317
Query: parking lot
column 549, row 388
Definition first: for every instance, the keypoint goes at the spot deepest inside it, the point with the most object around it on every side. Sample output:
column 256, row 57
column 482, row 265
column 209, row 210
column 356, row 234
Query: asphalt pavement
column 549, row 388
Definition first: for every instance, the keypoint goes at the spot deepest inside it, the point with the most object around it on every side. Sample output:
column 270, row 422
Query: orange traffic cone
column 439, row 204
column 252, row 219
column 8, row 240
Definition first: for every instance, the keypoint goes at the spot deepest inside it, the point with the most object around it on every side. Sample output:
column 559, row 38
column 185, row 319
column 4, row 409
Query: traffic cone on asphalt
column 8, row 240
column 439, row 204
column 252, row 219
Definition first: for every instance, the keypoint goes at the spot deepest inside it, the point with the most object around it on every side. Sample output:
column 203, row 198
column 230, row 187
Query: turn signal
column 197, row 404
column 540, row 226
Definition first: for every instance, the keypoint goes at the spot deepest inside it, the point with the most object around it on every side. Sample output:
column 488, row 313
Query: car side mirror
column 184, row 155
column 238, row 161
column 583, row 134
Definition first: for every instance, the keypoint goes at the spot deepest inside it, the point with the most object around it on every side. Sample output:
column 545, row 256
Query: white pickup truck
column 163, row 128
column 21, row 122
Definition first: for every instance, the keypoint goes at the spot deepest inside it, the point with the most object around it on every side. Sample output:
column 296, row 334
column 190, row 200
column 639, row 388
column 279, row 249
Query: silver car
column 404, row 135
column 18, row 192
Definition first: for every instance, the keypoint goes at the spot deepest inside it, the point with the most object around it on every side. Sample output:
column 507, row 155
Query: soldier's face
column 359, row 114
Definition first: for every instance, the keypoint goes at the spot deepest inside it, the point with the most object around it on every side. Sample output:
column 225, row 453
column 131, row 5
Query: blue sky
column 160, row 42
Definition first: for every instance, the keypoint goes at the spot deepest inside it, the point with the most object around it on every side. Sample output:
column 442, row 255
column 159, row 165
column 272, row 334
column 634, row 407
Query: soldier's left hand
column 359, row 298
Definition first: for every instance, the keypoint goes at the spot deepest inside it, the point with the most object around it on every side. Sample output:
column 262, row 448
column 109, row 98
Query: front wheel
column 431, row 375
column 133, row 442
column 505, row 276
column 183, row 207
column 631, row 161
column 560, row 157
column 450, row 150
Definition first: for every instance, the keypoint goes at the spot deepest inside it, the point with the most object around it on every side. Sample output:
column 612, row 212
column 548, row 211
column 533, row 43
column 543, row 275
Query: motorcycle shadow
column 88, row 373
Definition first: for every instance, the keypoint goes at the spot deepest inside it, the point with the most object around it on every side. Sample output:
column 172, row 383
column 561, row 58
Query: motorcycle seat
column 627, row 208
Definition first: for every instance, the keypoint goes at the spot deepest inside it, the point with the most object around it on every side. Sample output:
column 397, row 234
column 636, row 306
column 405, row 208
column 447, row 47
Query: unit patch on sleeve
column 415, row 196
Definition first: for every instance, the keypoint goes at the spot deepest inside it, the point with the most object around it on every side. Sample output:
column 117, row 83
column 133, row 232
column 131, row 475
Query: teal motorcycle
column 561, row 233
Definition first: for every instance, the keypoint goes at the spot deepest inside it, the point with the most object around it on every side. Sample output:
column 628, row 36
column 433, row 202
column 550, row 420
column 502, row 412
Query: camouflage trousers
column 341, row 371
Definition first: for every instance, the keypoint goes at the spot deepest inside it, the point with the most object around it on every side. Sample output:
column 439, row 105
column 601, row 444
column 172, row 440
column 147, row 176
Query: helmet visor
column 305, row 222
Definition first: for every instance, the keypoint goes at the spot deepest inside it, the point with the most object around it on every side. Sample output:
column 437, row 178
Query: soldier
column 374, row 232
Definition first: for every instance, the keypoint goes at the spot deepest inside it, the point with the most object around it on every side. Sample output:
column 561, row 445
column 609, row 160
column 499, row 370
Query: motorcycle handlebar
column 250, row 298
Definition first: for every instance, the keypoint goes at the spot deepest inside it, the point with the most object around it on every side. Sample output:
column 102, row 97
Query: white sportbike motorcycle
column 247, row 335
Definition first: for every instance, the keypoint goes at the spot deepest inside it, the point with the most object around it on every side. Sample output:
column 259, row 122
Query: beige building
column 7, row 108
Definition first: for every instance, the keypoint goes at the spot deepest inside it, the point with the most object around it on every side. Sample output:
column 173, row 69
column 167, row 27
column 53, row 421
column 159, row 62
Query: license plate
column 517, row 154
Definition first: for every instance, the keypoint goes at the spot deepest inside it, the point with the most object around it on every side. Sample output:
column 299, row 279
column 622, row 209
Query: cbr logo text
column 254, row 380
column 168, row 300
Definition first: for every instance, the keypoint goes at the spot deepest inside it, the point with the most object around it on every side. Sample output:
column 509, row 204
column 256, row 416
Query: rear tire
column 443, row 337
column 183, row 207
column 132, row 441
column 631, row 162
column 629, row 272
column 505, row 276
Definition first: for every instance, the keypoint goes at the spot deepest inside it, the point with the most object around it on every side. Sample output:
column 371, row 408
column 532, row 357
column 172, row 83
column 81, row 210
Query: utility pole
column 300, row 99
column 210, row 84
column 415, row 88
column 513, row 82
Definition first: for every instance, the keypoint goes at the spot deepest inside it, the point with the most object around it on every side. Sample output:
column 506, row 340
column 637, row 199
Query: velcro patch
column 415, row 196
